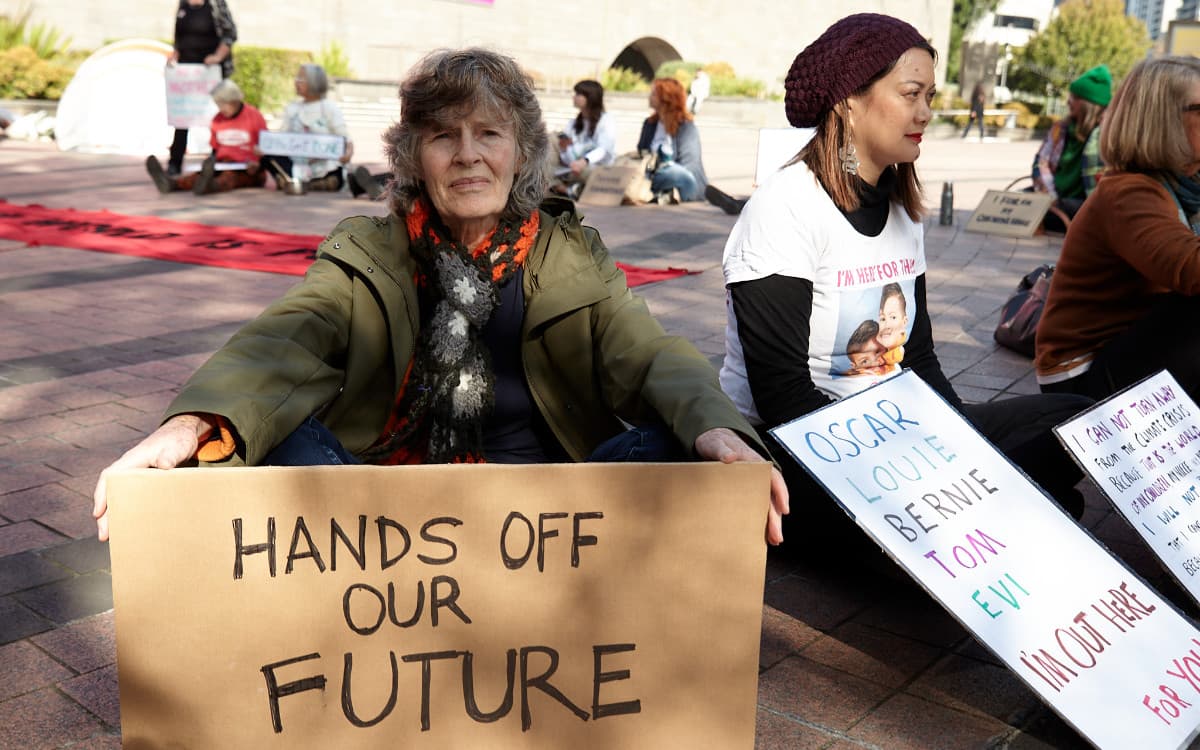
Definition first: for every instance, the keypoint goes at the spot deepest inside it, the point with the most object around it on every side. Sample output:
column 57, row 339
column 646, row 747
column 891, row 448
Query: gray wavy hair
column 446, row 86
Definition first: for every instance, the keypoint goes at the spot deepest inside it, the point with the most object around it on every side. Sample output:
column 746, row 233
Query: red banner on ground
column 191, row 242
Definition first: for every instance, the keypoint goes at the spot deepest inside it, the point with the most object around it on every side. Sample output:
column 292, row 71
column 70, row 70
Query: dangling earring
column 849, row 157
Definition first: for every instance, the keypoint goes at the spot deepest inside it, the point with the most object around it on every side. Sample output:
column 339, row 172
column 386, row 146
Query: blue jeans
column 312, row 444
column 674, row 175
column 640, row 444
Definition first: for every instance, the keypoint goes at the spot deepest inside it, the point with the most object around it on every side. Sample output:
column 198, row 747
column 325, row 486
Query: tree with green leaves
column 1082, row 35
column 966, row 14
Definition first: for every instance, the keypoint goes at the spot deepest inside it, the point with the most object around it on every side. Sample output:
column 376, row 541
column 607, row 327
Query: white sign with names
column 305, row 145
column 1095, row 642
column 1142, row 447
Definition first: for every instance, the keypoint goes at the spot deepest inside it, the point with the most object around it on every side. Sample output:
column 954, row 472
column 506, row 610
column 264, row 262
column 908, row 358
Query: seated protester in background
column 1123, row 300
column 1068, row 164
column 588, row 140
column 234, row 139
column 451, row 330
column 671, row 137
column 362, row 182
column 802, row 328
column 312, row 113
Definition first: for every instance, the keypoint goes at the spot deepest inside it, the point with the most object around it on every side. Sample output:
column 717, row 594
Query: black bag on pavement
column 1020, row 314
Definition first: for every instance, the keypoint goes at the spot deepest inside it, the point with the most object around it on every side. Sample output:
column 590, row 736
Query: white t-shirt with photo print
column 791, row 227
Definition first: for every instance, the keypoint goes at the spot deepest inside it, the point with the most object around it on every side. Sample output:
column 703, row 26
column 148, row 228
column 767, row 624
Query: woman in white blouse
column 589, row 140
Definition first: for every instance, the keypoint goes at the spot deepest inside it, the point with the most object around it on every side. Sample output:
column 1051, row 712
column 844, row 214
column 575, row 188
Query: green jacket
column 337, row 345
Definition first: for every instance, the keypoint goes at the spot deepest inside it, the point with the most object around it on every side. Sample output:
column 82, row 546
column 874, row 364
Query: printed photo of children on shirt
column 873, row 326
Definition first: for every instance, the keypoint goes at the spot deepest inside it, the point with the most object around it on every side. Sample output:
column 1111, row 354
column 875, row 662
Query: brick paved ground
column 92, row 346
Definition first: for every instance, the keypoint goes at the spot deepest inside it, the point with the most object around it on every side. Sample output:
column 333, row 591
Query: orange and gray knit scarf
column 447, row 391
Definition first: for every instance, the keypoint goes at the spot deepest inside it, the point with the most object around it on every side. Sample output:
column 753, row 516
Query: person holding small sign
column 1122, row 302
column 204, row 33
column 833, row 242
column 312, row 113
column 469, row 325
column 235, row 130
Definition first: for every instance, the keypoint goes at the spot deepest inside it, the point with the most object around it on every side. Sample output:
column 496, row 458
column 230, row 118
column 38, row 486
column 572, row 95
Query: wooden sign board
column 189, row 94
column 609, row 185
column 1141, row 446
column 581, row 606
column 303, row 145
column 1078, row 627
column 1013, row 214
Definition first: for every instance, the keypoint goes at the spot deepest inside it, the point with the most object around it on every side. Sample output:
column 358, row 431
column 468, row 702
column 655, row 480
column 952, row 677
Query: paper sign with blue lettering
column 1097, row 644
column 189, row 94
column 1142, row 447
column 304, row 145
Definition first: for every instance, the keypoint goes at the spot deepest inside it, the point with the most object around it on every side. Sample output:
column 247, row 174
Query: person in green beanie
column 1068, row 163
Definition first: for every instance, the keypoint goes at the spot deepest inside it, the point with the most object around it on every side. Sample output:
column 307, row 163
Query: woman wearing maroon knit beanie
column 825, row 269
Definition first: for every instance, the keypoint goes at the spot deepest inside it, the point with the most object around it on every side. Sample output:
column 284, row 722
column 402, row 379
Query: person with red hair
column 672, row 138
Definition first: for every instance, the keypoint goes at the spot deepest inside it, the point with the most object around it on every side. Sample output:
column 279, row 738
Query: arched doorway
column 645, row 55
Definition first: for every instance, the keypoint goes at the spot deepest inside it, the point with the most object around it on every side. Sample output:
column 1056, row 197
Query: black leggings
column 1020, row 427
column 1166, row 338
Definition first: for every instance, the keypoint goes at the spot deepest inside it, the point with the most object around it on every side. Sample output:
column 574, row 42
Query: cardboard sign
column 1013, row 214
column 609, row 185
column 1141, row 446
column 776, row 147
column 304, row 145
column 189, row 94
column 1083, row 631
column 581, row 606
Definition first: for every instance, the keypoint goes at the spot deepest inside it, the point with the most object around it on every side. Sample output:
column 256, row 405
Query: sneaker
column 723, row 200
column 161, row 180
column 205, row 177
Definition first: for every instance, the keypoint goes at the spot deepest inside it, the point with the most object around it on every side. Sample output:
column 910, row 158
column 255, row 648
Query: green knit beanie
column 1094, row 86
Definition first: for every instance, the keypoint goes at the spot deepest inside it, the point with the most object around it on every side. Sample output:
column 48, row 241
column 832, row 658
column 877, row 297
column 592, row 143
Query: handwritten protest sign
column 1083, row 631
column 1142, row 448
column 305, row 145
column 189, row 94
column 582, row 606
column 1009, row 213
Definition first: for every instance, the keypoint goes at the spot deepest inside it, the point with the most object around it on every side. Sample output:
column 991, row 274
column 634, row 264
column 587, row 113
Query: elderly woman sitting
column 469, row 325
column 234, row 138
column 313, row 112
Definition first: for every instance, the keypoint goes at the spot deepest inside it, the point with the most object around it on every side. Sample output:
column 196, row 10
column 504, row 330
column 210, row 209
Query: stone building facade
column 559, row 42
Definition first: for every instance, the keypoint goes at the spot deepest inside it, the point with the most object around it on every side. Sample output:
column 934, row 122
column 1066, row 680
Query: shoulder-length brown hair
column 446, row 86
column 1144, row 130
column 672, row 104
column 822, row 158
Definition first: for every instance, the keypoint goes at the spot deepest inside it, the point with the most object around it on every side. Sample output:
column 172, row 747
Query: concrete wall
column 560, row 42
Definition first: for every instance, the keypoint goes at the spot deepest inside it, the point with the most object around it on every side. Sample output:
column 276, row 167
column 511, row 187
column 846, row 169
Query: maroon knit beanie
column 841, row 61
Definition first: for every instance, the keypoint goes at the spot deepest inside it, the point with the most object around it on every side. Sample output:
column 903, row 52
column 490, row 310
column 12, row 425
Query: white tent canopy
column 116, row 103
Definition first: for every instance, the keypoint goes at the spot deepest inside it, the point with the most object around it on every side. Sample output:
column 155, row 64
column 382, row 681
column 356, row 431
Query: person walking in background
column 698, row 91
column 234, row 138
column 588, row 140
column 1123, row 300
column 798, row 311
column 313, row 112
column 671, row 138
column 1068, row 164
column 976, row 116
column 204, row 33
